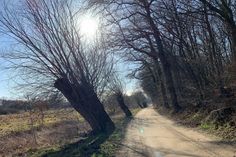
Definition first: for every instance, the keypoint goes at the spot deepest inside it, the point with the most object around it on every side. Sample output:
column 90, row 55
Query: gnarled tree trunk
column 123, row 106
column 84, row 100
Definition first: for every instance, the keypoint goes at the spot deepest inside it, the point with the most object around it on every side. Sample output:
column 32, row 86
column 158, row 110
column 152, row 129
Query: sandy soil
column 152, row 135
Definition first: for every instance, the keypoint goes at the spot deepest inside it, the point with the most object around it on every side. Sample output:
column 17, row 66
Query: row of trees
column 54, row 100
column 185, row 48
column 52, row 54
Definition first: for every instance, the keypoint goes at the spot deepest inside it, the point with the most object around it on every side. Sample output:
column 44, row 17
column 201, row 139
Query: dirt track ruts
column 152, row 135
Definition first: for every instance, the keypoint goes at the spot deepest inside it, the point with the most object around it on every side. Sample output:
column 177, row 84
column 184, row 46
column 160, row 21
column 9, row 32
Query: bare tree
column 51, row 54
column 117, row 89
column 225, row 10
column 140, row 99
column 151, row 80
column 187, row 42
column 138, row 35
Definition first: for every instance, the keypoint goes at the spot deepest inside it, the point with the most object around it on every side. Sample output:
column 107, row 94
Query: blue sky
column 7, row 84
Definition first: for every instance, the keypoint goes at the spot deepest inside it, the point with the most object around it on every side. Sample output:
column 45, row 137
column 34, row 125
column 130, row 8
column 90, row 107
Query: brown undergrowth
column 17, row 136
column 214, row 116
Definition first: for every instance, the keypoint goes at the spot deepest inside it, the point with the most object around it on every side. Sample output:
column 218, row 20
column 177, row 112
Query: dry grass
column 60, row 127
column 14, row 123
column 102, row 145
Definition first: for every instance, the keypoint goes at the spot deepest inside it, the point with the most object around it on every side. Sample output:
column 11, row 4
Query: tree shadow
column 84, row 147
column 91, row 144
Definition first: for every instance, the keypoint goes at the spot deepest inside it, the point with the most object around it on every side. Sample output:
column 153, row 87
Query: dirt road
column 152, row 135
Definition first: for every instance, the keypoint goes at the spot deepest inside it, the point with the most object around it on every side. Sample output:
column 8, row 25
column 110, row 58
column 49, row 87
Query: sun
column 88, row 26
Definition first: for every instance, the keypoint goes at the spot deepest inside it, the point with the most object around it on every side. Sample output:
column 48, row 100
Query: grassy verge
column 226, row 132
column 95, row 146
column 192, row 119
column 112, row 144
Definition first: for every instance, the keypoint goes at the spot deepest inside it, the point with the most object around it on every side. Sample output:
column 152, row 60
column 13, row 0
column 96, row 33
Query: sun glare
column 89, row 26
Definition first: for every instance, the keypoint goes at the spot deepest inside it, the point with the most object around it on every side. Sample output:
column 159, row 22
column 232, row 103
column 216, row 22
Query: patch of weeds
column 207, row 126
column 135, row 111
column 109, row 147
column 112, row 144
column 197, row 117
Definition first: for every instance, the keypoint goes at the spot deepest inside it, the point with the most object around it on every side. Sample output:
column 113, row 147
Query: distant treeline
column 17, row 106
column 12, row 106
